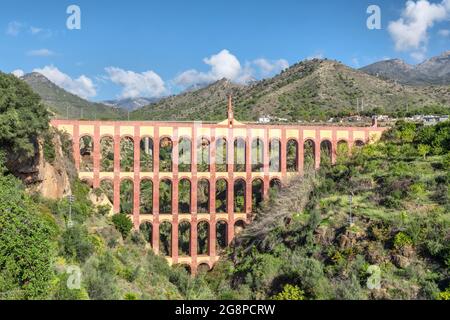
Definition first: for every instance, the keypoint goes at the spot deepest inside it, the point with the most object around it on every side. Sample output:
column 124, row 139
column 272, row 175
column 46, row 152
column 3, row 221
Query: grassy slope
column 307, row 90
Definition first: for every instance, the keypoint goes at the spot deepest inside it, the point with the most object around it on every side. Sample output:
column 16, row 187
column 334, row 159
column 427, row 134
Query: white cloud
column 270, row 67
column 14, row 28
column 35, row 30
column 40, row 53
column 410, row 31
column 225, row 65
column 82, row 86
column 444, row 32
column 18, row 73
column 146, row 84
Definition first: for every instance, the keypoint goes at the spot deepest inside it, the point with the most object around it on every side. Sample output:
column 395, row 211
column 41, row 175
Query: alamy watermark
column 74, row 20
column 374, row 20
column 74, row 279
column 374, row 280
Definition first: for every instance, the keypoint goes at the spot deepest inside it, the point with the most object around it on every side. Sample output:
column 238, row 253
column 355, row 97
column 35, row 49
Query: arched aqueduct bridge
column 190, row 186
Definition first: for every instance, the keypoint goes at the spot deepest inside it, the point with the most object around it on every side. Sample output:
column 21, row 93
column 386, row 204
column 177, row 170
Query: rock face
column 101, row 200
column 51, row 180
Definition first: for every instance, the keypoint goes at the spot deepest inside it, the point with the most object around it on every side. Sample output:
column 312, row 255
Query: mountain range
column 434, row 71
column 130, row 104
column 64, row 104
column 309, row 90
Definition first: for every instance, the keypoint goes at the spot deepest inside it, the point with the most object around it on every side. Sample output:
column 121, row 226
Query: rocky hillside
column 435, row 71
column 316, row 89
column 59, row 101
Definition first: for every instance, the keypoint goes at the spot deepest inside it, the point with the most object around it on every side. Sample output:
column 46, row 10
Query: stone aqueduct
column 238, row 156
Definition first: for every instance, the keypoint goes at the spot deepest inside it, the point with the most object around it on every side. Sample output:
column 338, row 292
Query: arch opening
column 203, row 151
column 257, row 155
column 165, row 155
column 184, row 238
column 221, row 196
column 86, row 154
column 239, row 196
column 221, row 155
column 203, row 196
column 239, row 155
column 184, row 155
column 126, row 196
column 343, row 151
column 107, row 188
column 275, row 155
column 257, row 194
column 146, row 197
column 165, row 239
column 221, row 235
column 203, row 268
column 165, row 196
column 326, row 150
column 309, row 154
column 203, row 238
column 107, row 154
column 359, row 143
column 292, row 156
column 184, row 196
column 239, row 226
column 146, row 154
column 126, row 154
column 146, row 229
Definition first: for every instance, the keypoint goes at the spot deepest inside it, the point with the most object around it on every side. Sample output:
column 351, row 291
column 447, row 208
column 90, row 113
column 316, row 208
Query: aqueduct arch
column 162, row 169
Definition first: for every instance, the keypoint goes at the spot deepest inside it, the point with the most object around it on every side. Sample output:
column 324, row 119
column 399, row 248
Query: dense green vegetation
column 303, row 245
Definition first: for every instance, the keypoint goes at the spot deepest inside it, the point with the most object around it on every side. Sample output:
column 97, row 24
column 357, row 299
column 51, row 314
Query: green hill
column 315, row 89
column 62, row 103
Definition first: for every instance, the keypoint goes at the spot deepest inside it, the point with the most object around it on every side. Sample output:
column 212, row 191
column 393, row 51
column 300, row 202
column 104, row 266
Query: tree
column 27, row 245
column 22, row 119
column 290, row 292
column 123, row 224
column 423, row 150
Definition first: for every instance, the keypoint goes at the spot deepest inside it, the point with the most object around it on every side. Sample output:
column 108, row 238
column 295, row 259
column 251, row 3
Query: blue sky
column 154, row 48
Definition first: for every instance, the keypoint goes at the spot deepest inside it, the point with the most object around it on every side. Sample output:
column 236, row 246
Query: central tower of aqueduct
column 190, row 186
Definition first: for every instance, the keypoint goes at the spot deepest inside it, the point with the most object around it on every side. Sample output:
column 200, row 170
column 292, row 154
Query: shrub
column 290, row 293
column 27, row 245
column 100, row 278
column 103, row 210
column 130, row 296
column 402, row 240
column 77, row 244
column 123, row 224
column 444, row 295
column 49, row 147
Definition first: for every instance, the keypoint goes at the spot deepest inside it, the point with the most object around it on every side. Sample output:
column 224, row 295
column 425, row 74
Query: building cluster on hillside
column 425, row 119
column 428, row 120
column 269, row 119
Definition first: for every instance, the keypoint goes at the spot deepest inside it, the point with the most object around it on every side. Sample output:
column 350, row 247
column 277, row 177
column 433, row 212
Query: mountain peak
column 434, row 71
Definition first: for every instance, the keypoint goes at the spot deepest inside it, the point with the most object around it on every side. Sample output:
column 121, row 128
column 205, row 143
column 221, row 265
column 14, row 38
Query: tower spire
column 230, row 110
